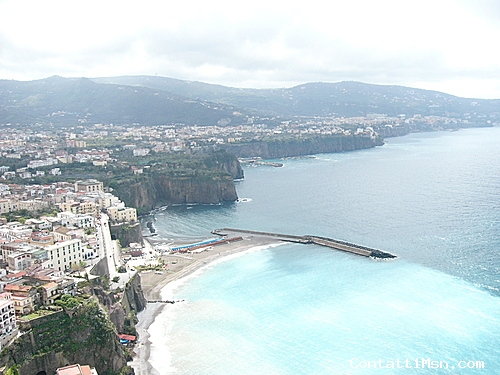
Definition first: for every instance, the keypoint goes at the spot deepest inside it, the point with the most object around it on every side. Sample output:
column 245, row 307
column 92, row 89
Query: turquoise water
column 432, row 199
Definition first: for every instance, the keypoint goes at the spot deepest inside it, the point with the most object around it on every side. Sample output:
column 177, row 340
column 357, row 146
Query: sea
column 432, row 199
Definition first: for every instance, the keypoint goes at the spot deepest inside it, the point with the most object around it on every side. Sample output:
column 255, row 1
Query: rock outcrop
column 126, row 233
column 123, row 313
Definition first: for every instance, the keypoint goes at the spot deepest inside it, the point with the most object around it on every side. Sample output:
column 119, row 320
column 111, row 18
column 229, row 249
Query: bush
column 67, row 301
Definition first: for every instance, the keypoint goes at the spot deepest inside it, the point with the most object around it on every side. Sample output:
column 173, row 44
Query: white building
column 69, row 219
column 62, row 255
column 8, row 328
column 42, row 163
column 38, row 224
column 107, row 200
column 19, row 261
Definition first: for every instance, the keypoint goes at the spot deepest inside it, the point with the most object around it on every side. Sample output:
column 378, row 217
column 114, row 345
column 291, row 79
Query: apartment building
column 70, row 219
column 89, row 186
column 8, row 328
column 119, row 215
column 62, row 255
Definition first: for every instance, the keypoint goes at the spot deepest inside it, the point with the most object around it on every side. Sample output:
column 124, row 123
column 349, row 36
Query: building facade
column 8, row 328
column 62, row 255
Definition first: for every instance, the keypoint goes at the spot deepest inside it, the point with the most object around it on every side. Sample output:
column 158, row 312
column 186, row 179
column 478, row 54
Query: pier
column 322, row 241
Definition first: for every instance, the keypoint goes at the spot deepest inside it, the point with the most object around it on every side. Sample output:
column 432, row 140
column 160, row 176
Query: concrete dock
column 322, row 241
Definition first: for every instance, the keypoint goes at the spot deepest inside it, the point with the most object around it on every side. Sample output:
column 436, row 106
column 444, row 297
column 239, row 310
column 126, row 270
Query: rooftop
column 76, row 370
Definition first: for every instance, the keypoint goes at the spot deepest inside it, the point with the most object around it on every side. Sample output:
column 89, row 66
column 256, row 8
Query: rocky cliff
column 126, row 233
column 226, row 162
column 123, row 307
column 81, row 335
column 201, row 177
column 280, row 148
column 159, row 189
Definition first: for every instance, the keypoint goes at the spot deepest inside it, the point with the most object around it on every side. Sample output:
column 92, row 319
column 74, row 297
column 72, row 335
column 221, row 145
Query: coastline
column 180, row 266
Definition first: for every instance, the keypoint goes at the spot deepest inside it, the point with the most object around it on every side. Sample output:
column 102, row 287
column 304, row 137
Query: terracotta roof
column 41, row 277
column 12, row 288
column 52, row 284
column 74, row 370
column 123, row 336
column 62, row 230
column 17, row 275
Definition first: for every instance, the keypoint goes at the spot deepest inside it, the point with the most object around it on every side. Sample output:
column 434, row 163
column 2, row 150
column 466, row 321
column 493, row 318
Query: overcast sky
column 444, row 45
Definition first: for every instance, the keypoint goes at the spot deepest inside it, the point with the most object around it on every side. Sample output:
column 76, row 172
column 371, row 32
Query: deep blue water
column 432, row 198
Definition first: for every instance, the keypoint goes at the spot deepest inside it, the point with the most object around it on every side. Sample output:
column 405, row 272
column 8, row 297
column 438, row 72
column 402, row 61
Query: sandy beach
column 179, row 266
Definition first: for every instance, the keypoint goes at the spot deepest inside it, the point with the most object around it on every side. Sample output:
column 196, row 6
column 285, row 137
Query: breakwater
column 322, row 241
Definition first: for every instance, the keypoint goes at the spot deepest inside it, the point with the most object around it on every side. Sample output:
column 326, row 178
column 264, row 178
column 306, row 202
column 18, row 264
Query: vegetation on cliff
column 80, row 329
column 206, row 178
column 80, row 332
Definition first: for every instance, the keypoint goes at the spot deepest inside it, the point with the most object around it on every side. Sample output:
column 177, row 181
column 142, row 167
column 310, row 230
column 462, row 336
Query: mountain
column 322, row 99
column 152, row 100
column 78, row 100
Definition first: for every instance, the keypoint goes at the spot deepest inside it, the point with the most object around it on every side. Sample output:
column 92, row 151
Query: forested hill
column 323, row 99
column 152, row 100
column 60, row 100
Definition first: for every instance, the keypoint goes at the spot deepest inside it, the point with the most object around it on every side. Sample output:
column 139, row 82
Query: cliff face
column 204, row 190
column 281, row 148
column 127, row 233
column 197, row 178
column 229, row 164
column 84, row 335
column 123, row 314
column 160, row 189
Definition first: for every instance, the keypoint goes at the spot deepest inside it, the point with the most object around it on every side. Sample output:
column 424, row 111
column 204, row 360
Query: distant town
column 38, row 151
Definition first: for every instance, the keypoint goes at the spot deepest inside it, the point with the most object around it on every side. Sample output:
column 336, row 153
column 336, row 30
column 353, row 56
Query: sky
column 443, row 45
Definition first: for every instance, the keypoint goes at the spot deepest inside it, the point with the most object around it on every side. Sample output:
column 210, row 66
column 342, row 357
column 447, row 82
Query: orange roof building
column 76, row 370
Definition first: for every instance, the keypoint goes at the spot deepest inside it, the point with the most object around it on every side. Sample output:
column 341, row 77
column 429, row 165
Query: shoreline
column 179, row 268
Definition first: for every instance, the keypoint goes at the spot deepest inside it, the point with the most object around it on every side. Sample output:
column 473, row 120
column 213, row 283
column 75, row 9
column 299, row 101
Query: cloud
column 445, row 45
